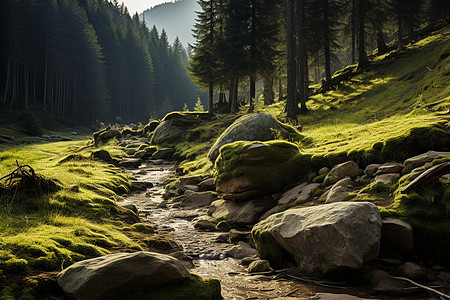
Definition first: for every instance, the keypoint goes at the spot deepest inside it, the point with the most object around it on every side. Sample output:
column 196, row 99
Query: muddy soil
column 208, row 256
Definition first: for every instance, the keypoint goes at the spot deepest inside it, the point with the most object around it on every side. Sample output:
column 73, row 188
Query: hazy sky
column 141, row 5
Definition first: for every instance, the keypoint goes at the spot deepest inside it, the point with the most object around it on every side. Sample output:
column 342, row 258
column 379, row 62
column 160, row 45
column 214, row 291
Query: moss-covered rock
column 259, row 266
column 175, row 124
column 257, row 169
column 258, row 127
column 197, row 288
column 150, row 127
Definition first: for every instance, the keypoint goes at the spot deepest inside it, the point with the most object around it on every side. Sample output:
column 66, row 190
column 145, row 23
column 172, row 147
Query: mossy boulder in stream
column 248, row 170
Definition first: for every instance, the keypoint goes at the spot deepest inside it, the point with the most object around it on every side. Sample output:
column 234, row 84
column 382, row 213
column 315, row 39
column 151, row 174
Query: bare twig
column 290, row 293
column 445, row 296
column 311, row 281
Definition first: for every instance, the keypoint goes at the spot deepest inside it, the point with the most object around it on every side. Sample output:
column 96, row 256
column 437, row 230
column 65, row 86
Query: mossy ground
column 50, row 231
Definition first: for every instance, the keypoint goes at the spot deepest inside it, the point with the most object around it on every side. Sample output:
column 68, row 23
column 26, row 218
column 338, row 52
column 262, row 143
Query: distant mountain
column 177, row 18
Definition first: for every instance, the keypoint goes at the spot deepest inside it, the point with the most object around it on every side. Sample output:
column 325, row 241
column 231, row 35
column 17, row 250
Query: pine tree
column 203, row 65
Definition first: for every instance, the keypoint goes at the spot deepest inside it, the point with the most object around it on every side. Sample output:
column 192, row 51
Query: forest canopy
column 89, row 60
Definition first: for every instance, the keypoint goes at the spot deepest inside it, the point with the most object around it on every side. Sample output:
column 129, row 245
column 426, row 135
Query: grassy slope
column 49, row 232
column 387, row 101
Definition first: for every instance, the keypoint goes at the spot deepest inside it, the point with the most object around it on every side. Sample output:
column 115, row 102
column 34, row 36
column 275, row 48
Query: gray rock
column 236, row 236
column 391, row 167
column 349, row 168
column 222, row 238
column 195, row 200
column 259, row 266
column 259, row 127
column 163, row 153
column 131, row 152
column 383, row 283
column 250, row 212
column 223, row 226
column 140, row 154
column 326, row 237
column 241, row 250
column 207, row 185
column 397, row 234
column 291, row 194
column 421, row 159
column 413, row 270
column 246, row 261
column 324, row 170
column 387, row 178
column 223, row 209
column 370, row 170
column 339, row 191
column 175, row 124
column 187, row 189
column 132, row 163
column 138, row 186
column 190, row 180
column 109, row 135
column 131, row 207
column 101, row 277
column 205, row 223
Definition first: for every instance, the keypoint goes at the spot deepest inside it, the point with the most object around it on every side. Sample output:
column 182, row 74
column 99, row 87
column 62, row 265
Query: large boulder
column 250, row 170
column 175, row 125
column 323, row 238
column 259, row 127
column 101, row 277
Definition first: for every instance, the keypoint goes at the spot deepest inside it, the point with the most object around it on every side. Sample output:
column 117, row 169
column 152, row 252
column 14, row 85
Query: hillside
column 177, row 19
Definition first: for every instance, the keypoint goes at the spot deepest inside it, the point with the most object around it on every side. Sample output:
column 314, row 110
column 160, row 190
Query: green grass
column 52, row 230
column 385, row 102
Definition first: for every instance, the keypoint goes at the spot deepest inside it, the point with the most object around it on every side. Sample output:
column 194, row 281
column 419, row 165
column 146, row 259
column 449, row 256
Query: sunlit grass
column 53, row 230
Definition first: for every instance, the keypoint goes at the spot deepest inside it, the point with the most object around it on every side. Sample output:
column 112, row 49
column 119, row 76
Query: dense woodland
column 89, row 60
column 243, row 41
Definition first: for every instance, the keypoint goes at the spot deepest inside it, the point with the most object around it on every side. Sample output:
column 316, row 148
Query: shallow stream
column 208, row 256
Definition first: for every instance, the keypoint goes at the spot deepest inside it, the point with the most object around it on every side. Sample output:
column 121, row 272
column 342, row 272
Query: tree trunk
column 235, row 104
column 353, row 31
column 326, row 41
column 381, row 44
column 291, row 103
column 280, row 89
column 221, row 96
column 411, row 31
column 8, row 76
column 303, row 58
column 399, row 30
column 211, row 99
column 252, row 94
column 252, row 57
column 230, row 96
column 268, row 89
column 363, row 60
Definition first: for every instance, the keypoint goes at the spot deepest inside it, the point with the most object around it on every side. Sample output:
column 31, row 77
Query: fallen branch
column 316, row 282
column 290, row 293
column 445, row 296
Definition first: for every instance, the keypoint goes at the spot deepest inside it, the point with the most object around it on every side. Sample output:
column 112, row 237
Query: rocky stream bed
column 207, row 257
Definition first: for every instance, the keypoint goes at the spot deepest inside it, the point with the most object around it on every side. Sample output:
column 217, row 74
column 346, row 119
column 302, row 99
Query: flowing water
column 208, row 256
